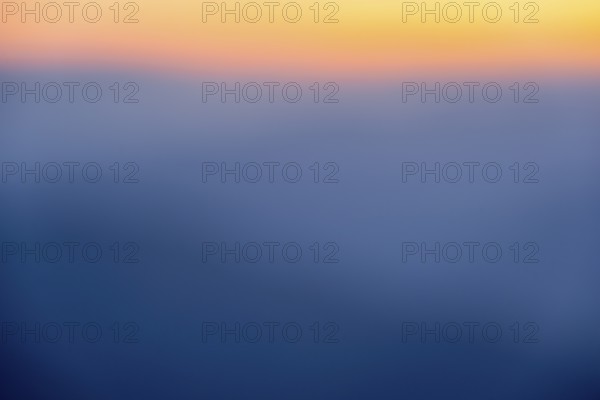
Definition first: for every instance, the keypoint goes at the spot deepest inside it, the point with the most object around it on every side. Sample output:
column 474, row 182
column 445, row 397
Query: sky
column 370, row 40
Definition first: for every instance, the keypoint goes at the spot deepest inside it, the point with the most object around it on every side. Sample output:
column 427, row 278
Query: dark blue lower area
column 387, row 321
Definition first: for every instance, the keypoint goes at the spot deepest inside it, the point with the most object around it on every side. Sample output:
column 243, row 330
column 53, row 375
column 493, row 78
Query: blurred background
column 121, row 207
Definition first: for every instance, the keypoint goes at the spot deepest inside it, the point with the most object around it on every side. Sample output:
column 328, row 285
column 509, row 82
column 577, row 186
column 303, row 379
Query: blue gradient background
column 369, row 294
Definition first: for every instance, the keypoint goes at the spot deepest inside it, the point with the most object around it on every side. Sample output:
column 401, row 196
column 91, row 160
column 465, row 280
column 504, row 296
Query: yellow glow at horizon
column 370, row 37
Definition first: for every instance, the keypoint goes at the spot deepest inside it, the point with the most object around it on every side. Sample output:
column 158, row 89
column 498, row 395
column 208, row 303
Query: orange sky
column 369, row 39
